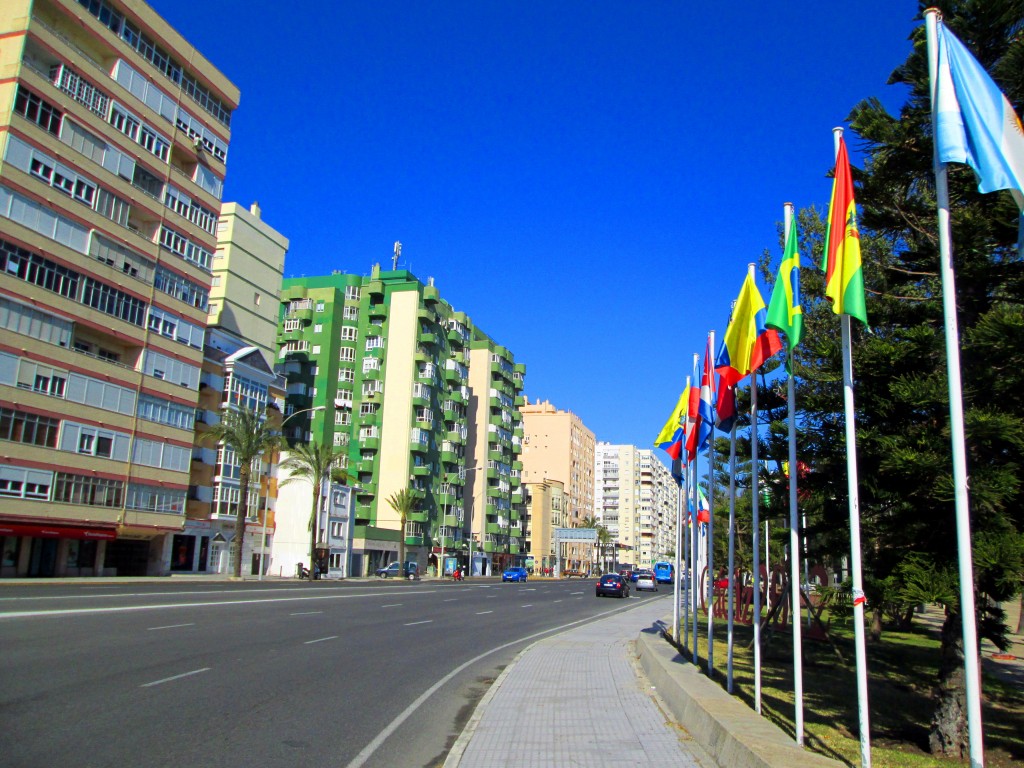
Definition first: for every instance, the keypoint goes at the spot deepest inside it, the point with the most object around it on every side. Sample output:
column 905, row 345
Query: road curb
column 730, row 732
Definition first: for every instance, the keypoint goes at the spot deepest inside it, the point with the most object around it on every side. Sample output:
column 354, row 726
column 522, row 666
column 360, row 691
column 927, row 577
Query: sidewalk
column 1006, row 665
column 577, row 699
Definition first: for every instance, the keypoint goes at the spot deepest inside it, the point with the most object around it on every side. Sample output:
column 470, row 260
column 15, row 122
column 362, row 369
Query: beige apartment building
column 557, row 445
column 114, row 134
column 238, row 372
column 545, row 511
column 636, row 500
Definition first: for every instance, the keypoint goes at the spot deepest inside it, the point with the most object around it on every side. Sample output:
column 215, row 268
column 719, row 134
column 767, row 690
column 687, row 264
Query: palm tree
column 404, row 503
column 604, row 539
column 312, row 463
column 248, row 434
column 592, row 522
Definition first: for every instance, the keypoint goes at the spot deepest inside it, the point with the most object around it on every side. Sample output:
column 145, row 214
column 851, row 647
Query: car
column 646, row 580
column 627, row 574
column 612, row 584
column 392, row 570
column 514, row 574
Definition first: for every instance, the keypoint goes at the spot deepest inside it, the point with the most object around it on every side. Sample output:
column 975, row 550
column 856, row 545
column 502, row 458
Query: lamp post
column 462, row 473
column 263, row 544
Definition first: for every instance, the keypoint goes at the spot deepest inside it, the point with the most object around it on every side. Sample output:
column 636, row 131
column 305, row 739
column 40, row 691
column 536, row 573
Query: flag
column 747, row 342
column 844, row 278
column 725, row 406
column 784, row 311
column 670, row 439
column 705, row 410
column 975, row 122
column 692, row 423
column 703, row 508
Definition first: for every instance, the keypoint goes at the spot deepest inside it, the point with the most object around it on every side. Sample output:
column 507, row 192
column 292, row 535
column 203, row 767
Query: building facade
column 114, row 133
column 636, row 500
column 391, row 374
column 557, row 445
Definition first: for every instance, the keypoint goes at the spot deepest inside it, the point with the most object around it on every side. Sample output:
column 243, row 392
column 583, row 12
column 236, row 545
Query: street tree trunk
column 948, row 736
column 243, row 504
column 876, row 624
column 313, row 525
column 1020, row 617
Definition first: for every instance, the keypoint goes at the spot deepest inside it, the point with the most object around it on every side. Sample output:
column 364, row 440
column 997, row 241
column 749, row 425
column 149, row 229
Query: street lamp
column 462, row 474
column 263, row 544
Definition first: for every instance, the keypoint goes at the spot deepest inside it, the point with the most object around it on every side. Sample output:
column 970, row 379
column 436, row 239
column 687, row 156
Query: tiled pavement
column 576, row 699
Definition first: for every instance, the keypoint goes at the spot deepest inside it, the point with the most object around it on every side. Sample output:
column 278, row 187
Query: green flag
column 784, row 311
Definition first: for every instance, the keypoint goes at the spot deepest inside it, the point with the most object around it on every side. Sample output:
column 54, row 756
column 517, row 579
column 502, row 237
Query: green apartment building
column 421, row 399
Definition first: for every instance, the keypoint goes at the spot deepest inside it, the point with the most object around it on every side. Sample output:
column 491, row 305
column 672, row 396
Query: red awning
column 57, row 531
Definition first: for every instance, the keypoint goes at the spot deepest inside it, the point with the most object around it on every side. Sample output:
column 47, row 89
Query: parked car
column 514, row 574
column 392, row 570
column 646, row 580
column 612, row 584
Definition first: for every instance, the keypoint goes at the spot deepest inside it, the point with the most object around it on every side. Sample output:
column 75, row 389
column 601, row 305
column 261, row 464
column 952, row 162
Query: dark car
column 514, row 574
column 612, row 584
column 391, row 569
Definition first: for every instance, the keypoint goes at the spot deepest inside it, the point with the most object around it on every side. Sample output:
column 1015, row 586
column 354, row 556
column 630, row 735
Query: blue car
column 514, row 574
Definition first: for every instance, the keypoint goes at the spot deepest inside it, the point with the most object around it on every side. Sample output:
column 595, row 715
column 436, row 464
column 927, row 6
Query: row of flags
column 973, row 124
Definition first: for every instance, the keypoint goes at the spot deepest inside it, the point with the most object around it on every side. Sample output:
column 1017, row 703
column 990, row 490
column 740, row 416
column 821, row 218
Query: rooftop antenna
column 398, row 252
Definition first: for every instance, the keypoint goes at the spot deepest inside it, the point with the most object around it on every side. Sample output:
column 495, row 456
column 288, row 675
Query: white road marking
column 414, row 623
column 392, row 605
column 530, row 605
column 320, row 640
column 305, row 613
column 575, row 593
column 481, row 613
column 171, row 626
column 215, row 603
column 175, row 677
column 556, row 601
column 449, row 600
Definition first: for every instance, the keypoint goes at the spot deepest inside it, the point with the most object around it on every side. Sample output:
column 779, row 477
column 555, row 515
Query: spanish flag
column 844, row 278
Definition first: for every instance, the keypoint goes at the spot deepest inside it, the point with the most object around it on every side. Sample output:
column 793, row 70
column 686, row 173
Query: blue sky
column 586, row 180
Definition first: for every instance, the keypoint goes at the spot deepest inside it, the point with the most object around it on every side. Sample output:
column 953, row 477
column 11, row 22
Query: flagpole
column 755, row 483
column 855, row 551
column 684, row 558
column 711, row 514
column 794, row 539
column 679, row 546
column 732, row 553
column 694, row 535
column 972, row 673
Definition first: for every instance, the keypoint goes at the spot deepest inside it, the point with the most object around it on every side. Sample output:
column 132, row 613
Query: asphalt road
column 379, row 673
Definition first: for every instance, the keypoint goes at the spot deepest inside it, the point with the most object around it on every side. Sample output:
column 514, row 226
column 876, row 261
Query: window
column 25, row 483
column 371, row 364
column 348, row 333
column 166, row 412
column 367, row 409
column 318, row 328
column 346, row 374
column 316, row 349
column 320, row 306
column 342, row 418
column 352, row 293
column 40, row 112
column 337, row 438
column 30, row 428
column 125, row 122
column 347, row 354
column 374, row 342
column 350, row 313
column 90, row 491
column 154, row 499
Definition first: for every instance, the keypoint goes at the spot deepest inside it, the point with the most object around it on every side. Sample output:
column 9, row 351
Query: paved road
column 279, row 674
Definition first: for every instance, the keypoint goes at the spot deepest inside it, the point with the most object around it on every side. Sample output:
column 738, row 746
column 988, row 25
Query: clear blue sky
column 586, row 180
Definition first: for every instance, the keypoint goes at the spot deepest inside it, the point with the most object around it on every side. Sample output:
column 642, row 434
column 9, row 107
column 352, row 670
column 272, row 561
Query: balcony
column 422, row 471
column 419, row 516
column 431, row 294
column 377, row 310
column 370, row 443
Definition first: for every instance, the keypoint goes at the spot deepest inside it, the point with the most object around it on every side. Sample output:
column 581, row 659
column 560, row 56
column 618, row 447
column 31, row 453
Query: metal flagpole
column 711, row 515
column 684, row 558
column 694, row 535
column 794, row 539
column 732, row 552
column 855, row 553
column 679, row 547
column 972, row 671
column 755, row 485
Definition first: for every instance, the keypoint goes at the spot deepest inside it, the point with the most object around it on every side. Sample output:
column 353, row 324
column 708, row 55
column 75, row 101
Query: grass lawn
column 902, row 670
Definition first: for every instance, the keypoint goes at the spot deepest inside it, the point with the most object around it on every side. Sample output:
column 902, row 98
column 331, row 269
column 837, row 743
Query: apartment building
column 557, row 445
column 545, row 511
column 114, row 134
column 238, row 372
column 418, row 398
column 636, row 501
